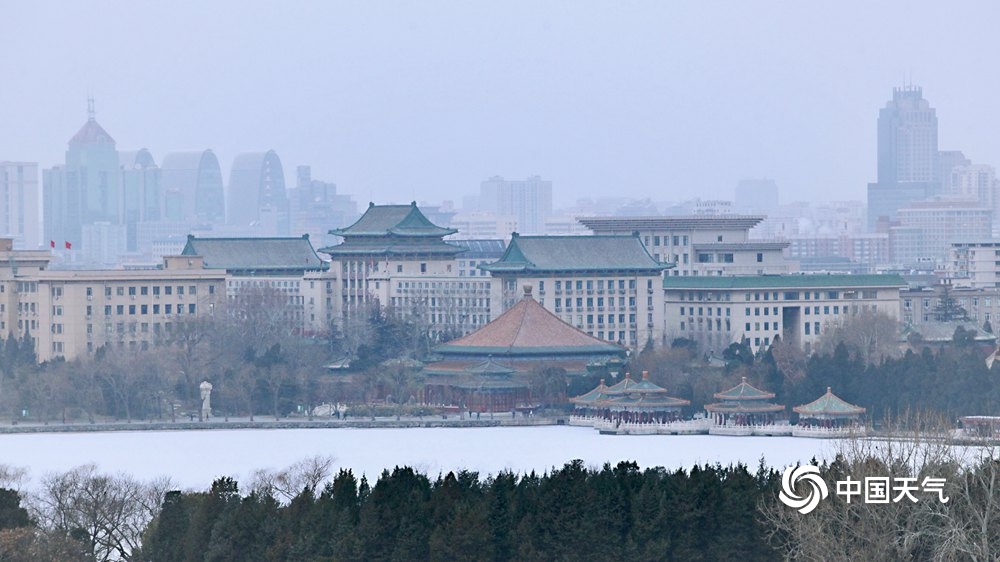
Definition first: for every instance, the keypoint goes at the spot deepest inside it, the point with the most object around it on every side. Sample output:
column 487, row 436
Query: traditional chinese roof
column 92, row 133
column 393, row 220
column 587, row 398
column 744, row 391
column 559, row 254
column 490, row 368
column 393, row 230
column 743, row 398
column 256, row 256
column 829, row 405
column 630, row 394
column 528, row 329
column 628, row 385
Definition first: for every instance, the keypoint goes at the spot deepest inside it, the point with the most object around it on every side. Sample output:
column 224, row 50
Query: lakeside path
column 264, row 422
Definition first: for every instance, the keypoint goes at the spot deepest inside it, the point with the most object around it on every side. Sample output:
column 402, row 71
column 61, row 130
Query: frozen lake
column 194, row 458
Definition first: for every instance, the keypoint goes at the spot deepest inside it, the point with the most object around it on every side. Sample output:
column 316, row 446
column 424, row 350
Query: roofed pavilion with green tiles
column 606, row 286
column 629, row 401
column 395, row 256
column 719, row 311
column 828, row 412
column 742, row 406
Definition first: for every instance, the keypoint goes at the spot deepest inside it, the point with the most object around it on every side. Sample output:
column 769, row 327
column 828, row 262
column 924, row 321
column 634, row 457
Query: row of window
column 143, row 309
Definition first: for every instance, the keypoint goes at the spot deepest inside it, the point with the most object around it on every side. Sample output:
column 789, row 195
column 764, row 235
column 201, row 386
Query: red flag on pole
column 69, row 246
column 52, row 243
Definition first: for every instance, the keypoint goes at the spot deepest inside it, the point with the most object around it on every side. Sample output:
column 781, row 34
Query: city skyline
column 395, row 105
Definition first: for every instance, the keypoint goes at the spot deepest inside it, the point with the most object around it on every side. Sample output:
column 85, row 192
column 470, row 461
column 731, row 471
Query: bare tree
column 107, row 513
column 289, row 482
column 872, row 335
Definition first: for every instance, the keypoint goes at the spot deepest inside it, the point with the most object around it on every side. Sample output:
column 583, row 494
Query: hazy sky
column 399, row 100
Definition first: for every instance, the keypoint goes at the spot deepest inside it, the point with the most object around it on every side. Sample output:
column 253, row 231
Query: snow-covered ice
column 194, row 458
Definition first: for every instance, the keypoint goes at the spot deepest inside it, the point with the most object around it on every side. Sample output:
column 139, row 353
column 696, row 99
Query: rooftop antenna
column 90, row 108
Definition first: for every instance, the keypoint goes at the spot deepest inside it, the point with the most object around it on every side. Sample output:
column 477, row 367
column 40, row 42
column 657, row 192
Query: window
column 191, row 308
column 120, row 309
column 120, row 291
column 423, row 268
column 168, row 290
column 399, row 268
column 156, row 309
column 131, row 310
column 131, row 291
column 760, row 257
column 143, row 290
column 156, row 290
column 180, row 289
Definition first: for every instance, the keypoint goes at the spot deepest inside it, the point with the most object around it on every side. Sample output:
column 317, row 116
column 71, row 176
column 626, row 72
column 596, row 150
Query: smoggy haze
column 396, row 101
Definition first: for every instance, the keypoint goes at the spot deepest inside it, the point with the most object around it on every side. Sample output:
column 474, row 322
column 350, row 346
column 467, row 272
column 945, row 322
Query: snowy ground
column 194, row 458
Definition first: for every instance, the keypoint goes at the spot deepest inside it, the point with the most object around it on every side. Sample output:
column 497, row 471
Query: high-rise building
column 257, row 196
column 141, row 193
column 528, row 201
column 193, row 190
column 908, row 163
column 19, row 204
column 316, row 207
column 87, row 188
column 907, row 138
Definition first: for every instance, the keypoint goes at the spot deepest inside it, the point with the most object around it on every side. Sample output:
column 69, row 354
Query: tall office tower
column 908, row 162
column 316, row 207
column 256, row 198
column 141, row 195
column 86, row 189
column 528, row 201
column 19, row 201
column 756, row 196
column 193, row 190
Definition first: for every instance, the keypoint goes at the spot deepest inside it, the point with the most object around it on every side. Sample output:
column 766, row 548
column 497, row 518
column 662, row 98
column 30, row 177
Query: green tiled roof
column 744, row 391
column 829, row 404
column 490, row 368
column 260, row 255
column 740, row 282
column 391, row 246
column 543, row 254
column 398, row 220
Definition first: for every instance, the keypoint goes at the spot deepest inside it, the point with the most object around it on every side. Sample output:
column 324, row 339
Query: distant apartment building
column 484, row 225
column 919, row 307
column 926, row 230
column 529, row 201
column 975, row 264
column 719, row 311
column 867, row 250
column 283, row 270
column 701, row 245
column 393, row 256
column 607, row 286
column 73, row 313
column 20, row 204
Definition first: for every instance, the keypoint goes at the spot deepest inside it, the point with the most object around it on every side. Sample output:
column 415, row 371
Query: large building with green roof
column 283, row 269
column 395, row 256
column 719, row 311
column 606, row 286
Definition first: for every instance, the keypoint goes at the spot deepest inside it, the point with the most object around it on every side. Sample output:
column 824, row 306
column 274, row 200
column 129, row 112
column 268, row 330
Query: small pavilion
column 829, row 412
column 629, row 401
column 744, row 405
